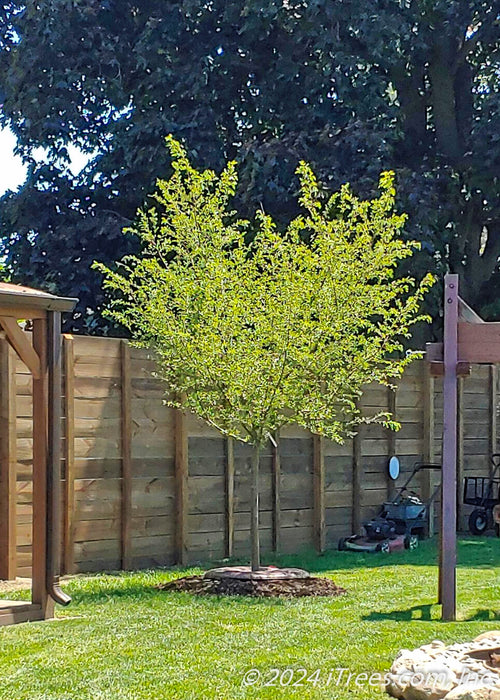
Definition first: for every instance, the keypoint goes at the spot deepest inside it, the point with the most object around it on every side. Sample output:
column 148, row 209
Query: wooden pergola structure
column 467, row 339
column 42, row 356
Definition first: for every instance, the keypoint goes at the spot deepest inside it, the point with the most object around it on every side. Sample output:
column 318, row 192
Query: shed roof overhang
column 24, row 302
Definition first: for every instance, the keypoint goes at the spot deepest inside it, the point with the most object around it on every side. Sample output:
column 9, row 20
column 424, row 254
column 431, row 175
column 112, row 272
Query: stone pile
column 469, row 671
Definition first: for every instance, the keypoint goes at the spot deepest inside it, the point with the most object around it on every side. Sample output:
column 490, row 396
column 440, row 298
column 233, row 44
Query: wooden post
column 493, row 379
column 229, row 480
column 69, row 453
column 356, row 482
column 8, row 462
column 276, row 467
column 391, row 441
column 181, row 487
column 449, row 476
column 40, row 443
column 126, row 456
column 460, row 452
column 319, row 493
column 428, row 443
column 53, row 489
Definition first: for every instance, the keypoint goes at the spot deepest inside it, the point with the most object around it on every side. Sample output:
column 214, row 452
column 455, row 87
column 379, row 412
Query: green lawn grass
column 122, row 639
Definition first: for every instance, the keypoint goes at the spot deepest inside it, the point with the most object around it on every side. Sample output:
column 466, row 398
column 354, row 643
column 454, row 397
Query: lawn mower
column 400, row 522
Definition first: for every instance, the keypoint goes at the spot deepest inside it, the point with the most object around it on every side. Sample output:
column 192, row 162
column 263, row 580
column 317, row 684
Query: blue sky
column 12, row 170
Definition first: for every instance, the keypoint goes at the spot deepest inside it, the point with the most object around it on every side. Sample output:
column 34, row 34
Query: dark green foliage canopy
column 353, row 86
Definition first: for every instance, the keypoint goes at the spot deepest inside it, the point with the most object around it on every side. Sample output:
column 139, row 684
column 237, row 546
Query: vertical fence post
column 319, row 492
column 8, row 462
column 460, row 451
column 181, row 487
column 391, row 440
column 428, row 442
column 493, row 378
column 69, row 453
column 356, row 481
column 126, row 456
column 276, row 488
column 229, row 479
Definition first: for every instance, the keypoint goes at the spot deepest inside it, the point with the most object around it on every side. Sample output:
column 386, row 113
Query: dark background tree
column 352, row 86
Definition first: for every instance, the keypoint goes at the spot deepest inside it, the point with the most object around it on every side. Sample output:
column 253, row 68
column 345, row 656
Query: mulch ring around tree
column 268, row 582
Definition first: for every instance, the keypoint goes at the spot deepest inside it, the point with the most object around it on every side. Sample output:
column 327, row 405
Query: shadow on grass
column 484, row 615
column 428, row 613
column 417, row 612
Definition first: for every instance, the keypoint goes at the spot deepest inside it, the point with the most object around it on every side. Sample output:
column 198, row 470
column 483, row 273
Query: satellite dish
column 394, row 468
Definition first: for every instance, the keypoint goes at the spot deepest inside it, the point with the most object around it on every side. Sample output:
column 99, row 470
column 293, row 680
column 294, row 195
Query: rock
column 435, row 671
column 492, row 636
column 425, row 692
column 416, row 676
column 471, row 692
column 394, row 687
column 434, row 649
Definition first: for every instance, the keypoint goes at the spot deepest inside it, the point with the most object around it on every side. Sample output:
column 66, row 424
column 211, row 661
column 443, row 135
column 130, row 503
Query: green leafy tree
column 283, row 329
column 354, row 87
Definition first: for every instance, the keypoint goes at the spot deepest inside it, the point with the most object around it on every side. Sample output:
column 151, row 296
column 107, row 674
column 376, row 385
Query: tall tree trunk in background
column 254, row 508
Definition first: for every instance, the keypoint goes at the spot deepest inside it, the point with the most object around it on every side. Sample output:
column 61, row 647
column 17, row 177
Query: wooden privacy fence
column 145, row 485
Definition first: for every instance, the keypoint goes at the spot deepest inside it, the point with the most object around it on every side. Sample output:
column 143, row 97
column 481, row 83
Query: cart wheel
column 383, row 547
column 341, row 545
column 411, row 542
column 478, row 521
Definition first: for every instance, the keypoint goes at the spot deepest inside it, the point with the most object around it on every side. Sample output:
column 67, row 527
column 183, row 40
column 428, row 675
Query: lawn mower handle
column 418, row 466
column 495, row 460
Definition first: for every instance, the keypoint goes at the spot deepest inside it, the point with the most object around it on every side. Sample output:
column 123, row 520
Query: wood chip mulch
column 293, row 588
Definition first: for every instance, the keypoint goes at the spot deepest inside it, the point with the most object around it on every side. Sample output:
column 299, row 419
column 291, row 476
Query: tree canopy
column 354, row 87
column 287, row 327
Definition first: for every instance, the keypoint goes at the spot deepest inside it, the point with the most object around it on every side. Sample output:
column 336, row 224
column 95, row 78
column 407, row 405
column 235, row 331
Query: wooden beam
column 8, row 462
column 449, row 476
column 493, row 400
column 21, row 344
column 478, row 343
column 466, row 313
column 40, row 446
column 434, row 353
column 126, row 456
column 229, row 488
column 437, row 369
column 69, row 453
column 319, row 493
column 22, row 312
column 15, row 612
column 276, row 488
column 181, row 487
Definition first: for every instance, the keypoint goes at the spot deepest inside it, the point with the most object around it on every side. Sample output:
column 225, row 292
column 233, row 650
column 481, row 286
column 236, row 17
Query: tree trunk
column 444, row 108
column 254, row 508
